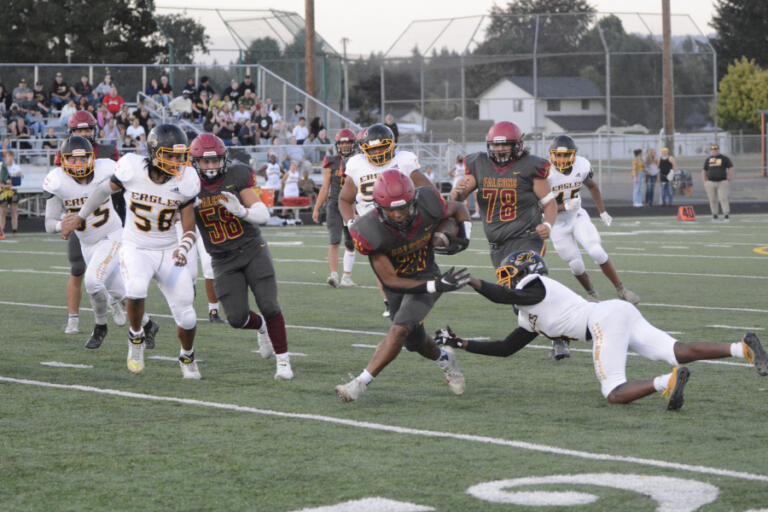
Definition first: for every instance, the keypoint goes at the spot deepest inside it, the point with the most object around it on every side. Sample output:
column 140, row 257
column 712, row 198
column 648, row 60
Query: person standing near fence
column 651, row 176
column 717, row 172
column 638, row 168
column 667, row 170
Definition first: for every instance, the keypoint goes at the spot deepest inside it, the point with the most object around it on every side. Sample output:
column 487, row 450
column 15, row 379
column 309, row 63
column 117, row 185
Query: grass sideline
column 223, row 443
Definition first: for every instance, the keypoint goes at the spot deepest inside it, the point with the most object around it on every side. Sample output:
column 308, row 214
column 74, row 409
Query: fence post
column 381, row 114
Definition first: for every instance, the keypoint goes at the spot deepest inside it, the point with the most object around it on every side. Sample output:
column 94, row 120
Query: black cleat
column 674, row 391
column 97, row 336
column 214, row 318
column 560, row 349
column 754, row 352
column 150, row 330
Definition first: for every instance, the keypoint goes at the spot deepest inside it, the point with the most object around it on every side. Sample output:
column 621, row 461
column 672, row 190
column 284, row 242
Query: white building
column 564, row 104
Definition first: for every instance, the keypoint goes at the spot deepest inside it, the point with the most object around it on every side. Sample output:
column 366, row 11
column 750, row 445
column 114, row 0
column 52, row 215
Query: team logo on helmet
column 378, row 144
column 394, row 196
column 167, row 148
column 77, row 157
column 562, row 153
column 518, row 265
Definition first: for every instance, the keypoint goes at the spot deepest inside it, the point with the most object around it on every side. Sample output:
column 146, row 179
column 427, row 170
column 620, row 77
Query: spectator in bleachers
column 205, row 85
column 246, row 134
column 233, row 91
column 315, row 126
column 10, row 176
column 190, row 86
column 215, row 101
column 50, row 145
column 111, row 132
column 293, row 152
column 82, row 103
column 113, row 101
column 60, row 93
column 20, row 93
column 153, row 90
column 247, row 85
column 429, row 173
column 296, row 114
column 249, row 100
column 224, row 126
column 20, row 134
column 5, row 100
column 128, row 143
column 103, row 88
column 135, row 131
column 83, row 88
column 42, row 99
column 181, row 106
column 33, row 116
column 150, row 125
column 166, row 90
column 277, row 119
column 263, row 124
column 67, row 110
column 123, row 118
column 103, row 115
column 390, row 123
column 240, row 116
column 307, row 187
column 300, row 132
column 200, row 106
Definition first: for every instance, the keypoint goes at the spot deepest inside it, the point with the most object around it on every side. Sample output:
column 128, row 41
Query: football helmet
column 378, row 144
column 82, row 120
column 510, row 137
column 208, row 146
column 75, row 147
column 562, row 153
column 393, row 195
column 517, row 265
column 164, row 141
column 345, row 142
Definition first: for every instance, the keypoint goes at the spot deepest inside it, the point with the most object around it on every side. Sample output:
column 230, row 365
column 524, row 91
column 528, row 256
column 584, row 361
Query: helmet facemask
column 506, row 154
column 171, row 160
column 385, row 213
column 78, row 164
column 374, row 153
column 208, row 172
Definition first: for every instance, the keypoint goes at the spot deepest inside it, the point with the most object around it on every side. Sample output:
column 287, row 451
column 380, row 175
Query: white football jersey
column 104, row 220
column 150, row 206
column 364, row 175
column 568, row 186
column 562, row 313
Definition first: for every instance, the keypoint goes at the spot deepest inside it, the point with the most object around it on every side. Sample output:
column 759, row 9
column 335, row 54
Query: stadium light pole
column 309, row 52
column 344, row 41
column 668, row 79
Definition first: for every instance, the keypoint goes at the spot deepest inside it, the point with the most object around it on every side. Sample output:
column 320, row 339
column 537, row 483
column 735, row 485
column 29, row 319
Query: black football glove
column 348, row 242
column 455, row 244
column 447, row 337
column 453, row 280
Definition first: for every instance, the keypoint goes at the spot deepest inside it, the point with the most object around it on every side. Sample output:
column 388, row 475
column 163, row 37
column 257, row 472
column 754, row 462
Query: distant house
column 564, row 104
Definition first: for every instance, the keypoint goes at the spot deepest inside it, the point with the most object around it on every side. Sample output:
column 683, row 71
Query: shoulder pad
column 52, row 181
column 189, row 184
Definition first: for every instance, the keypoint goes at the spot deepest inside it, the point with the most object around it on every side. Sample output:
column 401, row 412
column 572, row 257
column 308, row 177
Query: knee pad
column 92, row 284
column 237, row 319
column 77, row 268
column 577, row 266
column 598, row 254
column 415, row 339
column 185, row 318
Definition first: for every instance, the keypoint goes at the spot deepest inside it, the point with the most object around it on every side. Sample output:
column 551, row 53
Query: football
column 449, row 226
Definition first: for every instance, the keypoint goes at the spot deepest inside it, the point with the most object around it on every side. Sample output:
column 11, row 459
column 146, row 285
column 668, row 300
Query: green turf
column 67, row 449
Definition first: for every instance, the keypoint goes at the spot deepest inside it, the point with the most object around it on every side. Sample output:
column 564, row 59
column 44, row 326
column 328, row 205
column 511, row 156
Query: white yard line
column 521, row 445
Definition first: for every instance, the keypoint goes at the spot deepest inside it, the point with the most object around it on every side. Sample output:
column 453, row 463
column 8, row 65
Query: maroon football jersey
column 336, row 164
column 505, row 194
column 411, row 251
column 221, row 231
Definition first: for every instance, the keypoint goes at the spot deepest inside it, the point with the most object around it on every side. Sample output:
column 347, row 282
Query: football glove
column 233, row 204
column 453, row 280
column 348, row 242
column 448, row 338
column 455, row 244
column 607, row 219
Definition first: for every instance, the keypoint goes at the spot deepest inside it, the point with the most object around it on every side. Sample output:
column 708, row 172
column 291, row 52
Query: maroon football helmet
column 345, row 142
column 510, row 138
column 207, row 146
column 393, row 195
column 82, row 120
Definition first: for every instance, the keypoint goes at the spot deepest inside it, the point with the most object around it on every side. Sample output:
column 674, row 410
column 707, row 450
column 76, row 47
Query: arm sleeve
column 516, row 340
column 98, row 196
column 533, row 293
column 54, row 209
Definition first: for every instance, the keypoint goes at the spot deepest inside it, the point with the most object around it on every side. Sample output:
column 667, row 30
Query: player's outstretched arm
column 533, row 293
column 515, row 341
column 463, row 188
column 54, row 209
column 251, row 209
column 450, row 281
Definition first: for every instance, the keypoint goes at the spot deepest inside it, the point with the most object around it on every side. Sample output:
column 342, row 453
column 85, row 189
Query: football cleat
column 265, row 344
column 754, row 352
column 592, row 296
column 97, row 336
column 560, row 349
column 333, row 280
column 351, row 391
column 135, row 360
column 347, row 282
column 452, row 372
column 214, row 318
column 118, row 313
column 73, row 326
column 385, row 314
column 628, row 295
column 150, row 330
column 189, row 368
column 283, row 371
column 674, row 391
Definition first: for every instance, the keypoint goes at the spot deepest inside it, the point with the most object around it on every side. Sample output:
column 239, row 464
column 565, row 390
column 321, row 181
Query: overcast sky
column 374, row 27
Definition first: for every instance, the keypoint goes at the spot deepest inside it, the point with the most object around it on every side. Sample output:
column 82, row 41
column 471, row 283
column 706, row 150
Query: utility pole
column 667, row 80
column 344, row 41
column 309, row 52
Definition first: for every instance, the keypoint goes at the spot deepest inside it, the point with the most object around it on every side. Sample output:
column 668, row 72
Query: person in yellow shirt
column 638, row 168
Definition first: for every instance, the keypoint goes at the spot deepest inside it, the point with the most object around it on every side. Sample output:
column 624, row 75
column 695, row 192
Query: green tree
column 742, row 92
column 742, row 31
column 187, row 35
column 263, row 49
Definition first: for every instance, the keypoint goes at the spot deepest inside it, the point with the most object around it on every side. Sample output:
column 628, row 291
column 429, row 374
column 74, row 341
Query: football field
column 79, row 432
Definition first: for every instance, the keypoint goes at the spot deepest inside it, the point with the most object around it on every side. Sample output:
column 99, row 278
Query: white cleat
column 347, row 282
column 265, row 344
column 189, row 369
column 73, row 326
column 118, row 313
column 628, row 296
column 453, row 374
column 333, row 280
column 135, row 360
column 284, row 371
column 351, row 391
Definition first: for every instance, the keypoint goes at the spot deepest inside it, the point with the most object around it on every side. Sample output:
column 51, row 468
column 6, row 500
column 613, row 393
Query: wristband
column 187, row 241
column 548, row 225
column 431, row 286
column 467, row 229
column 547, row 198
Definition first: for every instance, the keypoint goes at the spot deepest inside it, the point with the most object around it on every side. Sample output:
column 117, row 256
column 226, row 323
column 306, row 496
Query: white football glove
column 607, row 219
column 572, row 204
column 233, row 204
